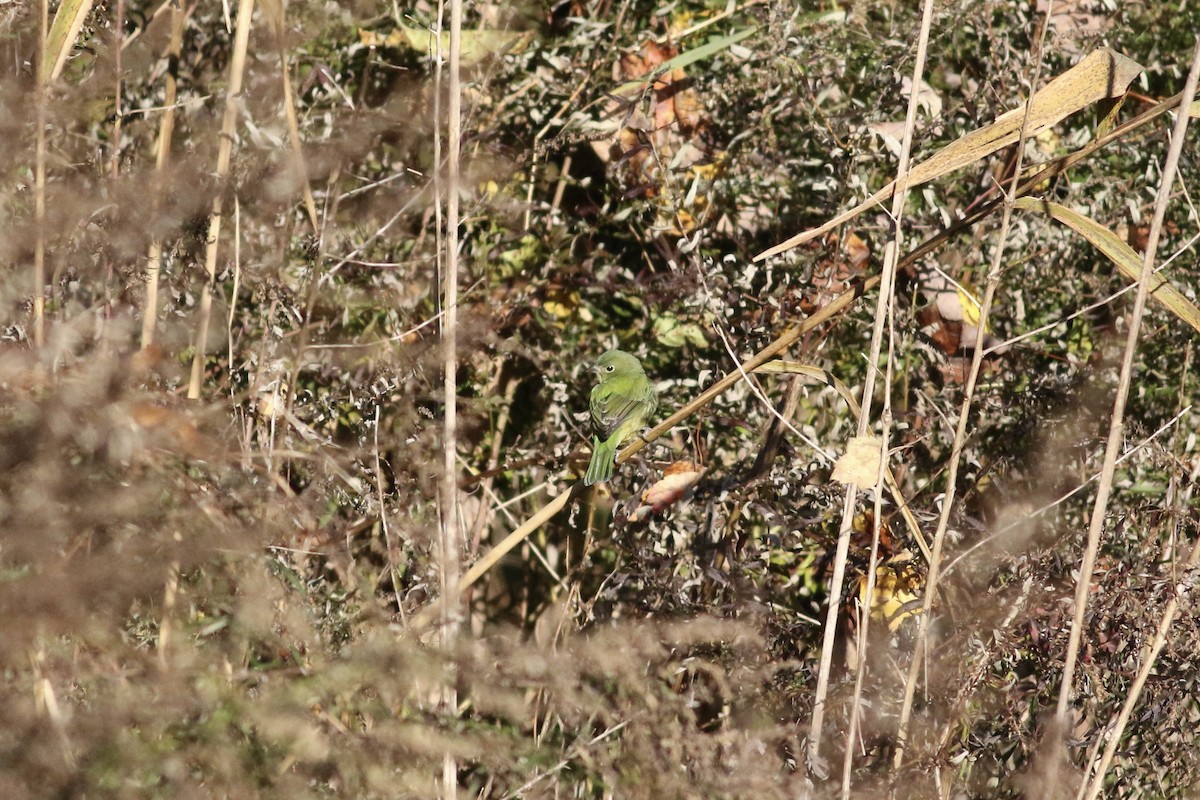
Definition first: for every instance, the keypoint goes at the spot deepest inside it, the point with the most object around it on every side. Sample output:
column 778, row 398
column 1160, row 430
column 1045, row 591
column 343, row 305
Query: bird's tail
column 600, row 468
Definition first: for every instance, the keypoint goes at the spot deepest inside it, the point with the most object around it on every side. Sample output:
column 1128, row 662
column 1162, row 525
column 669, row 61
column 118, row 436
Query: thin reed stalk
column 883, row 307
column 237, row 70
column 162, row 157
column 450, row 567
column 964, row 414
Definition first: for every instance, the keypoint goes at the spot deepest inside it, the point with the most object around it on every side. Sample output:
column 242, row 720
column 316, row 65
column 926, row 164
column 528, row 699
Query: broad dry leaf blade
column 1104, row 73
column 1119, row 253
column 68, row 21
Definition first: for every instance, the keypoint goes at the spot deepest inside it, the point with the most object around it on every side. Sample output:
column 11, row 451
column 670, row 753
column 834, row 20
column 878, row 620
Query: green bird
column 621, row 403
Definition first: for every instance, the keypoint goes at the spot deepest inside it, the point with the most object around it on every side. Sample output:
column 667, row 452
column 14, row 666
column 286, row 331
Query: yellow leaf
column 970, row 306
column 1047, row 142
column 476, row 45
column 561, row 303
column 894, row 599
column 860, row 464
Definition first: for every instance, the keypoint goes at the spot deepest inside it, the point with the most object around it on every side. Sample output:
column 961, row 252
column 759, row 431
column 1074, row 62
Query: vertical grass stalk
column 237, row 69
column 883, row 308
column 451, row 548
column 1116, row 429
column 964, row 414
column 162, row 155
column 39, row 184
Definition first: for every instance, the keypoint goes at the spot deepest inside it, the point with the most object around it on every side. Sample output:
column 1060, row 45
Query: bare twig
column 383, row 522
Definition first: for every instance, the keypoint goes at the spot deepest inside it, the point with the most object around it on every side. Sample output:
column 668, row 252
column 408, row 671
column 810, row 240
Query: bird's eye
column 610, row 368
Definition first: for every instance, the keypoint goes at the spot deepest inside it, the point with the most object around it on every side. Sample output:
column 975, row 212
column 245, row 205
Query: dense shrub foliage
column 229, row 596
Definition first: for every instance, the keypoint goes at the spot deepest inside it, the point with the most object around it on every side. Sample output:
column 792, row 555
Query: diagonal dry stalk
column 68, row 22
column 1116, row 435
column 960, row 435
column 884, row 309
column 237, row 70
column 1102, row 74
column 1039, row 176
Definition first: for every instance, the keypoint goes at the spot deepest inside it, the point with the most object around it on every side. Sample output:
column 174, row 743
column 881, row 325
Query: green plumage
column 621, row 403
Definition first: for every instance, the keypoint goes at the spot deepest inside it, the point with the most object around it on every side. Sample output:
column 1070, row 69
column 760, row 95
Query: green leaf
column 711, row 48
column 673, row 333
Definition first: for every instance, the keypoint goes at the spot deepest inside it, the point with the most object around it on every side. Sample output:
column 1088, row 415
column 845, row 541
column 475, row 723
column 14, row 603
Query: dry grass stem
column 162, row 157
column 964, row 415
column 882, row 313
column 237, row 69
column 451, row 546
column 39, row 186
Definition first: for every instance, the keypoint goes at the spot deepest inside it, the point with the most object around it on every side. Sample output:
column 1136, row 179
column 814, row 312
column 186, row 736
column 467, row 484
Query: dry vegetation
column 230, row 594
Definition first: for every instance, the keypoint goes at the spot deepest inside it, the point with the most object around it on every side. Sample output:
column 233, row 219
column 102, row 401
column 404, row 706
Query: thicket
column 220, row 570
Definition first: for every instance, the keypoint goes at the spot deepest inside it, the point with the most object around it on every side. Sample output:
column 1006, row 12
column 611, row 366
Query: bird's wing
column 610, row 408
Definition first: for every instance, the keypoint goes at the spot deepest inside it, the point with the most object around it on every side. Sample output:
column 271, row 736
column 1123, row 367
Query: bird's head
column 616, row 362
